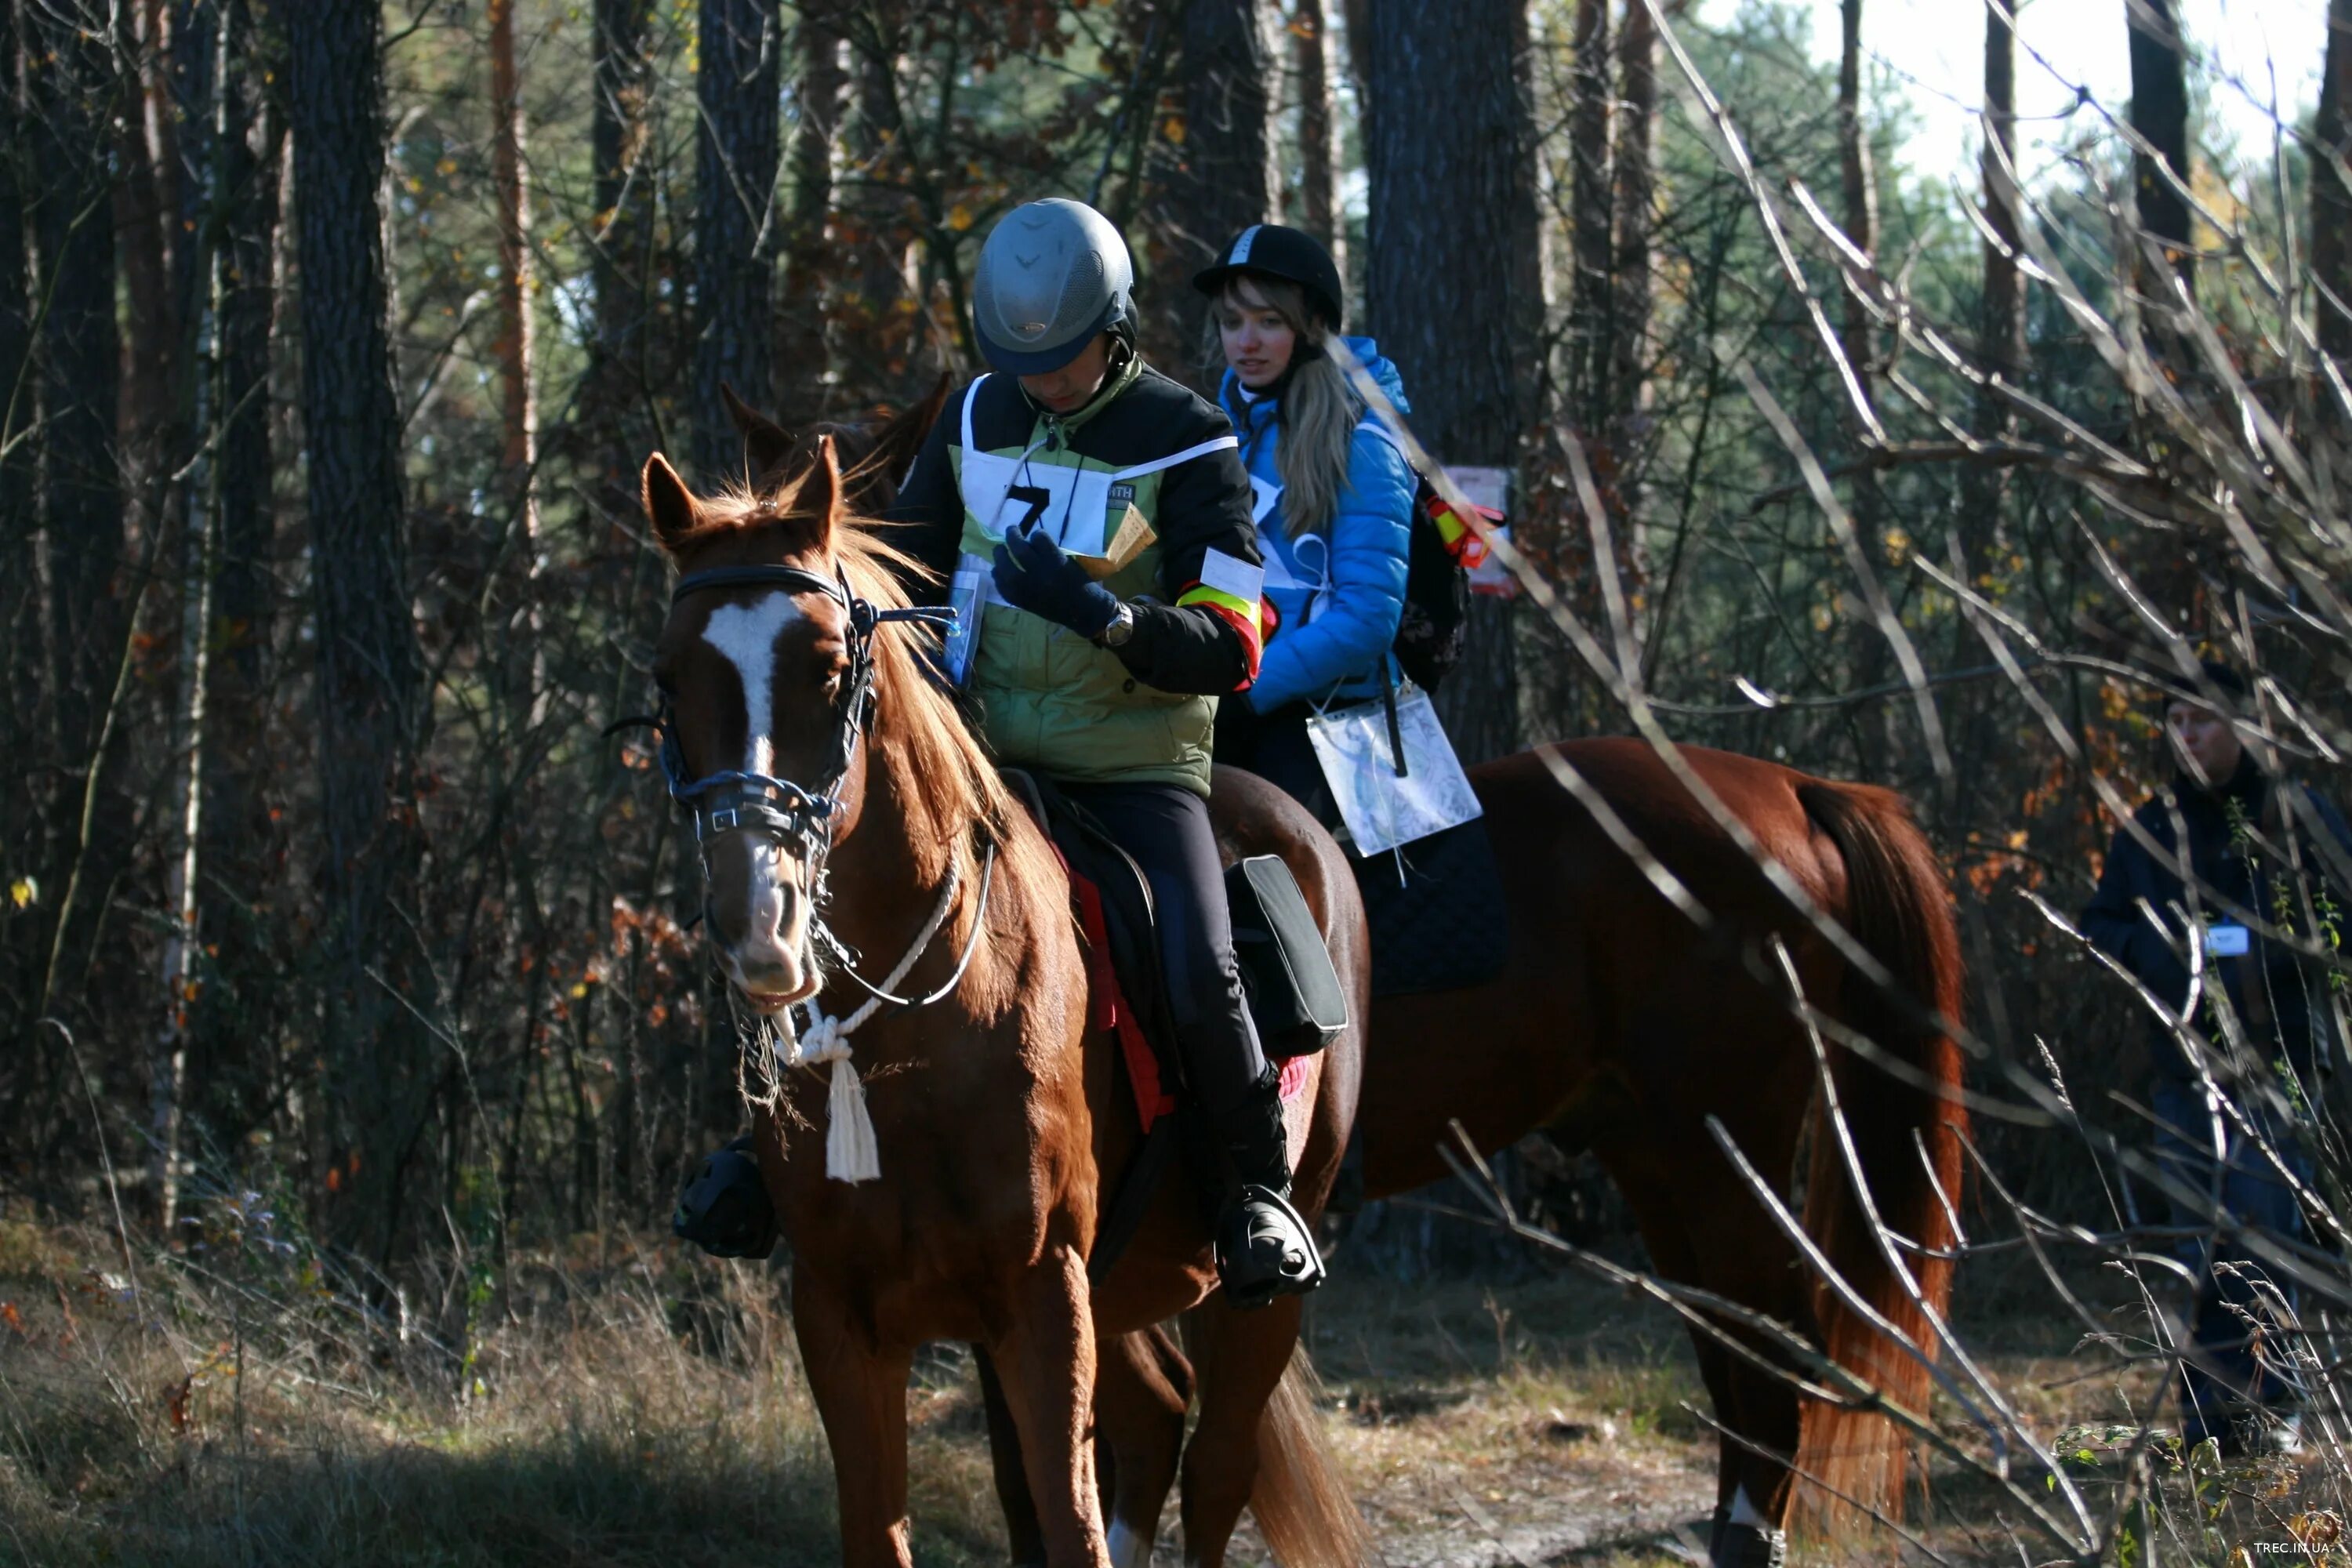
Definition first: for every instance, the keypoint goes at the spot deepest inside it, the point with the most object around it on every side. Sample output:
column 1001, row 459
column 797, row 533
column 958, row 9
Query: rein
column 849, row 957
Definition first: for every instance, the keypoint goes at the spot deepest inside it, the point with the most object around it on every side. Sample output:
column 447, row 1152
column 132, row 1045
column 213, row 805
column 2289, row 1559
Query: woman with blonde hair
column 1333, row 499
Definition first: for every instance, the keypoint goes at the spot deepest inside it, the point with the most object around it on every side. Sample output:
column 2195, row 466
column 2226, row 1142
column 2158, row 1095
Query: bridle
column 733, row 801
column 799, row 815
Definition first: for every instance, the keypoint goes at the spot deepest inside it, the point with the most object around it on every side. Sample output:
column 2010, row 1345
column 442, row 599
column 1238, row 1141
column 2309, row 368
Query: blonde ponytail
column 1319, row 409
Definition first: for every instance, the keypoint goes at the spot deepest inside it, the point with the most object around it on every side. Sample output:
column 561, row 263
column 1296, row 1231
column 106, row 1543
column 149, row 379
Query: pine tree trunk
column 369, row 679
column 1591, row 242
column 209, row 128
column 1223, row 180
column 1319, row 211
column 72, row 90
column 873, row 310
column 30, row 1067
column 519, row 410
column 238, row 832
column 802, row 354
column 738, row 75
column 254, row 175
column 515, row 352
column 2000, row 347
column 156, row 282
column 621, row 264
column 1621, row 459
column 1454, row 274
column 1637, row 171
column 2331, row 187
column 2159, row 112
column 1858, row 184
column 16, row 392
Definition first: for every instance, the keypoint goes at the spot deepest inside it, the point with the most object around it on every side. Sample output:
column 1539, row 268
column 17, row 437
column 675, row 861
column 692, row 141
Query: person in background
column 1332, row 495
column 2228, row 823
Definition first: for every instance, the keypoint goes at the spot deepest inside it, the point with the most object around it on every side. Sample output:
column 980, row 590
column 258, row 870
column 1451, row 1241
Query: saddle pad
column 1112, row 902
column 1108, row 1011
column 1442, row 926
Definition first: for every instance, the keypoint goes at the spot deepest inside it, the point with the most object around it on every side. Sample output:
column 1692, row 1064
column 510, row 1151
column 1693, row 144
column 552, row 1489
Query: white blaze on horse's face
column 758, row 898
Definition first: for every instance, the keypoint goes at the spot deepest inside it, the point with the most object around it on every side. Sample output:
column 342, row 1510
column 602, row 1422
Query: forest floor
column 634, row 1407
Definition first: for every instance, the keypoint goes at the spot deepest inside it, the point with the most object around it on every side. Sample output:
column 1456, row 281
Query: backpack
column 1434, row 625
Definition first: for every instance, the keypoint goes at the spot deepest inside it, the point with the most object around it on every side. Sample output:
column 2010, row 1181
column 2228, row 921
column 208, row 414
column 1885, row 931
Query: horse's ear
column 670, row 505
column 902, row 438
column 765, row 445
column 821, row 494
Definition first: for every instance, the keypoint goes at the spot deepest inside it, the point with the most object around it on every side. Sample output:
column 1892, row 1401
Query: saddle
column 1293, row 990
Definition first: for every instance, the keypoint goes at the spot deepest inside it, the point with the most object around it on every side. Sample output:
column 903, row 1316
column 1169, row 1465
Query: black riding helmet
column 1278, row 250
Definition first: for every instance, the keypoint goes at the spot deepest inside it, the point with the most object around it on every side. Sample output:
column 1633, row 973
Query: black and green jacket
column 1050, row 698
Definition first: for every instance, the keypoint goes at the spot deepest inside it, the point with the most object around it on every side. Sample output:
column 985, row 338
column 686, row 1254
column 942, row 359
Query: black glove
column 1033, row 574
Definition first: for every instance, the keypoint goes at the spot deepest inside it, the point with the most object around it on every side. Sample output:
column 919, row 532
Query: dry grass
column 649, row 1410
column 625, row 1404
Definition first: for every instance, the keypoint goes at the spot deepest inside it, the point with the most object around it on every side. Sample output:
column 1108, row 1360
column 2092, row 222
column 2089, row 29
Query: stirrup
column 1264, row 1250
column 725, row 1210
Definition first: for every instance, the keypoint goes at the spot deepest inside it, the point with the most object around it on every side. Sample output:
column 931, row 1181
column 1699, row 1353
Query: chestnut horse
column 993, row 1128
column 1620, row 1025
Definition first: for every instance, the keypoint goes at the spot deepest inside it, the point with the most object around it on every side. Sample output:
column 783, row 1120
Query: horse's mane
column 942, row 778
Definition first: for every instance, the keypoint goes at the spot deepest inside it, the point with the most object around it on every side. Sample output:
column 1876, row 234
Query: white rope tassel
column 851, row 1152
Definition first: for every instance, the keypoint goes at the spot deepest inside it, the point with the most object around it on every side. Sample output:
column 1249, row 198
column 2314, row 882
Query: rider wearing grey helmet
column 1052, row 275
column 1075, row 490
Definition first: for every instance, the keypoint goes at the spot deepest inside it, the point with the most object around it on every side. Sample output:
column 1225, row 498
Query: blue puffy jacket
column 1338, row 593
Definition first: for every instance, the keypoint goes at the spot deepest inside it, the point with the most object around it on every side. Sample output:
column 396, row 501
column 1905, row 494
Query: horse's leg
column 1141, row 1391
column 1659, row 1219
column 1239, row 1357
column 1751, row 1264
column 1143, row 1387
column 1021, row 1527
column 1046, row 1360
column 861, row 1395
column 1697, row 1205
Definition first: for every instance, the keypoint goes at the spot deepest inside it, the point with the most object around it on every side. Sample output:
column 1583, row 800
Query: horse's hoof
column 1745, row 1545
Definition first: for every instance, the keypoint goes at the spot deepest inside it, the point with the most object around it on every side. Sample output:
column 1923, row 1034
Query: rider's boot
column 1264, row 1248
column 725, row 1210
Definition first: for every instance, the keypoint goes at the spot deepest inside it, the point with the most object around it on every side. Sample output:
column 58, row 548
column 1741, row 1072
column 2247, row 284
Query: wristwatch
column 1121, row 627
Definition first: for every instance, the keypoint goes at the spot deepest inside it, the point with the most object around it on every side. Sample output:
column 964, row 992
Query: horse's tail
column 1301, row 1505
column 1898, row 906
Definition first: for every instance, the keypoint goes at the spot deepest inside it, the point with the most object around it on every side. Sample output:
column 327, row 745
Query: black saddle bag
column 1294, row 991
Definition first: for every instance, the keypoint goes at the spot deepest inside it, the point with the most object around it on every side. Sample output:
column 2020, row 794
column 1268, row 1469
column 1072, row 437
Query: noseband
column 731, row 800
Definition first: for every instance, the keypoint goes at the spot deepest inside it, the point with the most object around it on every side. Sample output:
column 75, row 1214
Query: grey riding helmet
column 1053, row 274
